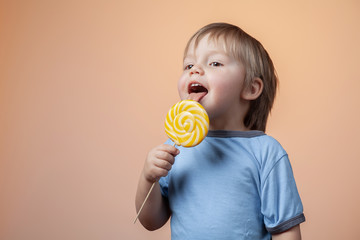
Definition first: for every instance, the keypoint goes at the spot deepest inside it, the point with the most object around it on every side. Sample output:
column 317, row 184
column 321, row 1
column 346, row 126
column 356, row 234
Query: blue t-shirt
column 233, row 185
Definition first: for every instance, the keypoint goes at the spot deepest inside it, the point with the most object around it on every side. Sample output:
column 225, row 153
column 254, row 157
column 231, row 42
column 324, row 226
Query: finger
column 161, row 173
column 170, row 149
column 163, row 165
column 163, row 155
column 156, row 174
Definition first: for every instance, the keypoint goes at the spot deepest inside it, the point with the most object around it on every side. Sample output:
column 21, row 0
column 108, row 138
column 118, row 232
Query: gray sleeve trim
column 282, row 227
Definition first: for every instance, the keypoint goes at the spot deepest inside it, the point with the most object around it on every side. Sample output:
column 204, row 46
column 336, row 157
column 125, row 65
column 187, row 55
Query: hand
column 159, row 162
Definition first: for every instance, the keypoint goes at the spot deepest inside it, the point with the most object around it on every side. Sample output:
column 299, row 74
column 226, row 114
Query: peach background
column 85, row 85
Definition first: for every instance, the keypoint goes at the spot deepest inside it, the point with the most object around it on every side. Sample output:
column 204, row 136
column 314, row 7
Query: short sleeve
column 280, row 201
column 164, row 181
column 164, row 185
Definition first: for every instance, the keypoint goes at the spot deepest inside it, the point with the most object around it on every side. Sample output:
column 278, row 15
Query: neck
column 233, row 122
column 229, row 127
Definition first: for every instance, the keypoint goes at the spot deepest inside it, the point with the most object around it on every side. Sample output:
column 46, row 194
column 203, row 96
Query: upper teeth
column 195, row 85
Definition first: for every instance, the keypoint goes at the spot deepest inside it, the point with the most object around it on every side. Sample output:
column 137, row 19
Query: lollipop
column 186, row 124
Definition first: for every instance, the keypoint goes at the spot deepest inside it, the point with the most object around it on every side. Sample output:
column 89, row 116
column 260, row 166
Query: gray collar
column 229, row 134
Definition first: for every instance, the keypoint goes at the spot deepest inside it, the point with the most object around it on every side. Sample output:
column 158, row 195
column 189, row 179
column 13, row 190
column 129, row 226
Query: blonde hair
column 256, row 61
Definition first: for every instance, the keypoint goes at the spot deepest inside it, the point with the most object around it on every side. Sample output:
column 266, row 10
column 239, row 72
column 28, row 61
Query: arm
column 291, row 234
column 156, row 211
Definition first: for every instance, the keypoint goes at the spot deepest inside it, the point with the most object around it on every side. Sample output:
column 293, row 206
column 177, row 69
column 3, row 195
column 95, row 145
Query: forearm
column 155, row 212
column 291, row 234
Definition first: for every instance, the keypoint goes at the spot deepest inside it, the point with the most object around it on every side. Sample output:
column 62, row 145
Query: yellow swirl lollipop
column 187, row 123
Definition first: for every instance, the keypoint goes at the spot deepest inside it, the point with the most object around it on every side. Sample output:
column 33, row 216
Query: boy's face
column 215, row 79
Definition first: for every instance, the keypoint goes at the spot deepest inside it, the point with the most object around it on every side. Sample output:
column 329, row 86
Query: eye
column 189, row 66
column 216, row 64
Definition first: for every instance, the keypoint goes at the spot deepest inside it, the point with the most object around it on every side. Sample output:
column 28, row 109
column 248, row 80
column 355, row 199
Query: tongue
column 197, row 96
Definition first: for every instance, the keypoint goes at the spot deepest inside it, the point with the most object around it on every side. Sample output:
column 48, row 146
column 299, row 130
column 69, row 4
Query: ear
column 254, row 90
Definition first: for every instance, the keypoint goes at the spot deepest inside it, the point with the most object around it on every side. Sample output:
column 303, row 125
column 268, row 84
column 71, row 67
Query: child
column 237, row 183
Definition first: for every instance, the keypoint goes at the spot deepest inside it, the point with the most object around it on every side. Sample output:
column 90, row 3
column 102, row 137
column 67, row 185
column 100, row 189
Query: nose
column 196, row 69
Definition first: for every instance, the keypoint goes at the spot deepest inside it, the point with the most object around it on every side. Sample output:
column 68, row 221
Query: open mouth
column 196, row 91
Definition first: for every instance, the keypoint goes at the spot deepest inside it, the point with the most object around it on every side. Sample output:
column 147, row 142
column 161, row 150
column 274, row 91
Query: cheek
column 229, row 88
column 182, row 89
column 221, row 88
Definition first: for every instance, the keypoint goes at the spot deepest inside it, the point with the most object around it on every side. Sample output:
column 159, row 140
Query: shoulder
column 268, row 151
column 270, row 145
column 256, row 143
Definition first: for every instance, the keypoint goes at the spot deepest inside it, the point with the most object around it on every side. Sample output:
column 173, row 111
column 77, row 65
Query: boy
column 237, row 183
